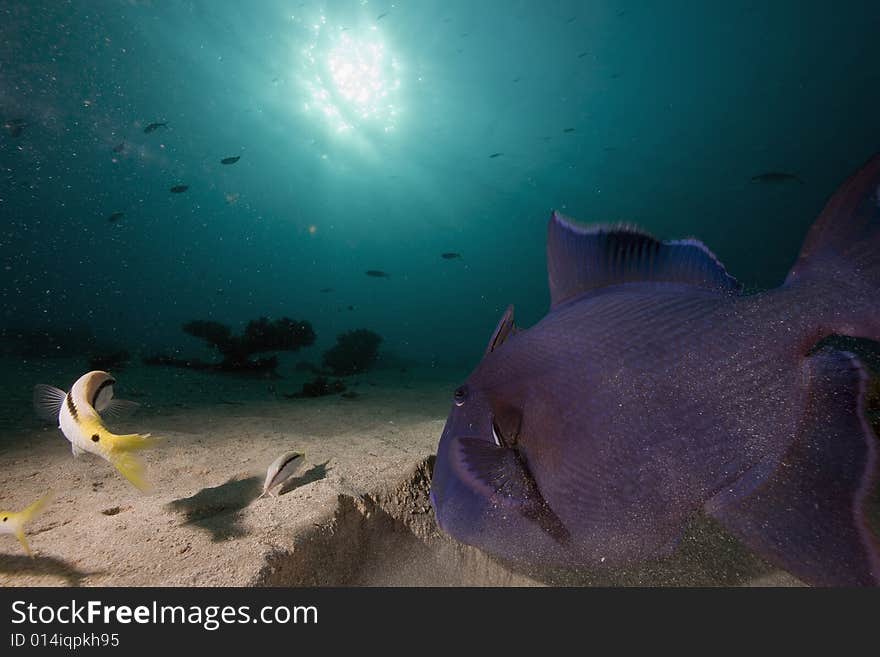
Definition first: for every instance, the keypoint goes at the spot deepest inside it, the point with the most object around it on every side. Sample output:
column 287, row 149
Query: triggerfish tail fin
column 808, row 512
column 131, row 468
column 26, row 516
column 843, row 248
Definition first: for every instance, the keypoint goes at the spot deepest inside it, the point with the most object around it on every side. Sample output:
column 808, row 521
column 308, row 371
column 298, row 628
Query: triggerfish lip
column 433, row 500
column 459, row 510
column 478, row 519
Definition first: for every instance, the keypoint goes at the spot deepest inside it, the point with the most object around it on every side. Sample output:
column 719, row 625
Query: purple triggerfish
column 654, row 390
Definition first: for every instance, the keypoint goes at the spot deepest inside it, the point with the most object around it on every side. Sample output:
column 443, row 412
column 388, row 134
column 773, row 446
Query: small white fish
column 77, row 415
column 12, row 522
column 282, row 469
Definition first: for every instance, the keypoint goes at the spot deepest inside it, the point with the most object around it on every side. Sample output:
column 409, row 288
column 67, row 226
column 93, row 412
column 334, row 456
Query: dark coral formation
column 320, row 386
column 354, row 352
column 260, row 336
column 306, row 366
column 110, row 361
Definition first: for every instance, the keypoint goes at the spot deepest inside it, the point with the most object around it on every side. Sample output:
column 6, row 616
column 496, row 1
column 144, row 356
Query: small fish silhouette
column 15, row 127
column 776, row 177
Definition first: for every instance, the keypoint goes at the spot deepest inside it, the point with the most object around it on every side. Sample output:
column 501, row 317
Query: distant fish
column 569, row 130
column 230, row 160
column 494, row 155
column 281, row 470
column 776, row 177
column 179, row 189
column 116, row 216
column 381, row 16
column 12, row 522
column 15, row 127
column 517, row 79
column 351, row 307
column 325, row 290
column 78, row 414
column 377, row 273
column 450, row 256
column 582, row 54
column 119, row 147
column 154, row 126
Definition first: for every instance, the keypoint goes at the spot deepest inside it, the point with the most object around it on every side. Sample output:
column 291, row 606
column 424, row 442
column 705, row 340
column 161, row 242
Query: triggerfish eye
column 460, row 395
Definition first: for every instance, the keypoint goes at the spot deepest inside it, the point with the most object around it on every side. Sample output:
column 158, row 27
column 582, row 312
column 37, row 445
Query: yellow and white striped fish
column 12, row 522
column 78, row 416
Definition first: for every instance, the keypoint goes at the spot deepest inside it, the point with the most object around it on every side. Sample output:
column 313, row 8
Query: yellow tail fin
column 133, row 441
column 31, row 511
column 130, row 468
column 26, row 516
column 19, row 534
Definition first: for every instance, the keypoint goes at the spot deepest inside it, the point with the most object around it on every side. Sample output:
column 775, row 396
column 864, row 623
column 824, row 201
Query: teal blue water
column 366, row 132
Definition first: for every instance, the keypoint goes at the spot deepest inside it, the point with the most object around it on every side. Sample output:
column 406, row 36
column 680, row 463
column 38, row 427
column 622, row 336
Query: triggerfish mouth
column 654, row 390
column 78, row 414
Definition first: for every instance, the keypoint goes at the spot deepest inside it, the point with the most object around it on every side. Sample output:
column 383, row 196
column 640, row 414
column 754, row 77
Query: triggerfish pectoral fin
column 501, row 474
column 808, row 513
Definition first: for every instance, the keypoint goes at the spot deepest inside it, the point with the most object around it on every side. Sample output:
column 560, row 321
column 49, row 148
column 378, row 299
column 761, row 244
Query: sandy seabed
column 357, row 514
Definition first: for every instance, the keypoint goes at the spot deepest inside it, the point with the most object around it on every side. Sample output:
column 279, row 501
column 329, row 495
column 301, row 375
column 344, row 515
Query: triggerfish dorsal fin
column 581, row 258
column 501, row 473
